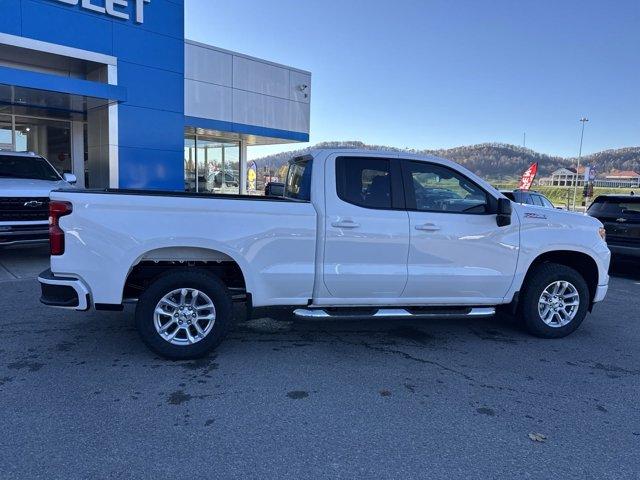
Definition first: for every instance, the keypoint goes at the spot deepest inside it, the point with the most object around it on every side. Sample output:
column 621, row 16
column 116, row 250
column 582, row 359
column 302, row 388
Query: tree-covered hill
column 490, row 160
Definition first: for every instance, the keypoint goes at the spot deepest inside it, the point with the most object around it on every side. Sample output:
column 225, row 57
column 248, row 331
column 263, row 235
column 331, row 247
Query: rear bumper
column 24, row 234
column 63, row 292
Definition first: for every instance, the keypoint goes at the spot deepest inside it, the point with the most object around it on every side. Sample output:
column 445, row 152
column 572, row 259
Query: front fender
column 544, row 231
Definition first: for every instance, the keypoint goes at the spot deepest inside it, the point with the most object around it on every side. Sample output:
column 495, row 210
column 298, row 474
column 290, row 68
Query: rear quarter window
column 298, row 184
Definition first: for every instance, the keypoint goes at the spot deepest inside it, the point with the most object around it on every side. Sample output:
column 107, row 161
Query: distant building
column 566, row 177
column 622, row 178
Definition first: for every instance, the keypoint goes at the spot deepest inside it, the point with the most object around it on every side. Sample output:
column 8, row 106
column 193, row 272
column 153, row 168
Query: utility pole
column 524, row 140
column 583, row 120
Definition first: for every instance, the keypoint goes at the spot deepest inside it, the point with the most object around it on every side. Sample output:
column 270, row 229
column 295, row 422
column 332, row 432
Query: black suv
column 620, row 215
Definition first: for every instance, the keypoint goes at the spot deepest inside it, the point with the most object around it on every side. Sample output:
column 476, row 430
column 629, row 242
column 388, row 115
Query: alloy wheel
column 184, row 316
column 558, row 304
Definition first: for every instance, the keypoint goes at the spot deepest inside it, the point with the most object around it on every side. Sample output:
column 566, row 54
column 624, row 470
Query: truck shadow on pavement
column 109, row 339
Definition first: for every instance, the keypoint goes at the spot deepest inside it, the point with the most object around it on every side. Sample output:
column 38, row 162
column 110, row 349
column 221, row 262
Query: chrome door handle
column 345, row 224
column 428, row 227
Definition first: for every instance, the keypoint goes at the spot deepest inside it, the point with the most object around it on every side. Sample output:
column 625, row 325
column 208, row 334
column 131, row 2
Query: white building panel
column 259, row 77
column 208, row 65
column 206, row 100
column 300, row 86
column 261, row 110
column 231, row 87
column 299, row 117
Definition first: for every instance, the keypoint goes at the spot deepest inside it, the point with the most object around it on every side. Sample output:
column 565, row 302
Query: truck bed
column 110, row 231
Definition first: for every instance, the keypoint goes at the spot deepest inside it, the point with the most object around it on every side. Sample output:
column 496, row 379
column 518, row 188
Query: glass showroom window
column 211, row 165
column 49, row 138
column 190, row 164
column 6, row 132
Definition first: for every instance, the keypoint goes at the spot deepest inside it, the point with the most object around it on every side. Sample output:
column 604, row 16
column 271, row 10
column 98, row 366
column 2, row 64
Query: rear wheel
column 554, row 301
column 184, row 314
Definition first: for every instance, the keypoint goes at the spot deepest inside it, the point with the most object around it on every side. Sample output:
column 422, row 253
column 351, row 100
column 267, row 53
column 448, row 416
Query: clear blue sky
column 431, row 74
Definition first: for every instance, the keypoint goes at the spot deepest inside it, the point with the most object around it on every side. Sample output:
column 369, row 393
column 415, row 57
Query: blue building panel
column 152, row 88
column 11, row 17
column 160, row 17
column 150, row 128
column 245, row 129
column 143, row 47
column 60, row 84
column 156, row 169
column 64, row 25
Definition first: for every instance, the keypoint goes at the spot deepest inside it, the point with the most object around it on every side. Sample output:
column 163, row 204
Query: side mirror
column 503, row 215
column 70, row 178
column 274, row 189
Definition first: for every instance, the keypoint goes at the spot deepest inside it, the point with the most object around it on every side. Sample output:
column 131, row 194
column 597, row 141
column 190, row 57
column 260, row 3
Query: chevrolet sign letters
column 113, row 8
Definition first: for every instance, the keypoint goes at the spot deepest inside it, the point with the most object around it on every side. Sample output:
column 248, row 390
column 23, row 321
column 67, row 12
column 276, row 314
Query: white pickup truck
column 357, row 234
column 25, row 182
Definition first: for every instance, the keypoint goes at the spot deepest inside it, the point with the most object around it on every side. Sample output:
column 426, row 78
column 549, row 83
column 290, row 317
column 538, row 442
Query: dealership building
column 111, row 91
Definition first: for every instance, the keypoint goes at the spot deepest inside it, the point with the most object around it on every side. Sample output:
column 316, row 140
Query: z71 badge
column 535, row 215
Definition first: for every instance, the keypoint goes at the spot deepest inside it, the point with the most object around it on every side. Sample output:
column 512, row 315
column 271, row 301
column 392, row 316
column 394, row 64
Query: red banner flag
column 528, row 176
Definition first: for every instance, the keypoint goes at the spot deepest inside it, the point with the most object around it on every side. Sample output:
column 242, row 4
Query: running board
column 417, row 312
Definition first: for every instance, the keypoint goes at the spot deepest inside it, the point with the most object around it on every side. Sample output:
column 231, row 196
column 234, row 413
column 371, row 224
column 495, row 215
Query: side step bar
column 418, row 312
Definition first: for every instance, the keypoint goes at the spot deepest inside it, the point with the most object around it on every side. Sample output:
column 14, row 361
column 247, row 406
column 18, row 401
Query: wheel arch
column 227, row 266
column 581, row 262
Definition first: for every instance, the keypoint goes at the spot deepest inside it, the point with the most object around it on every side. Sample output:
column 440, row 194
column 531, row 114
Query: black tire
column 536, row 282
column 178, row 279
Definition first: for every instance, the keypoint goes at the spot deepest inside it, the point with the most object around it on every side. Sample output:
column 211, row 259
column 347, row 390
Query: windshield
column 37, row 168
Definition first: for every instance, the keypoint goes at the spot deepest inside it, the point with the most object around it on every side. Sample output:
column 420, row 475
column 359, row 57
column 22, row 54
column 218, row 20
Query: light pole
column 583, row 120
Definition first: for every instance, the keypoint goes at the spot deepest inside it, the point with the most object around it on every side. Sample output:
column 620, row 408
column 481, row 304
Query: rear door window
column 365, row 182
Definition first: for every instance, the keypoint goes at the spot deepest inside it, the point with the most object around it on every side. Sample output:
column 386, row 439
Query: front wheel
column 554, row 301
column 184, row 314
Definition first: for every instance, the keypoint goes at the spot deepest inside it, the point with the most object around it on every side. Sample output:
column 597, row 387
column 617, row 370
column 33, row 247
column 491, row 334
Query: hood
column 533, row 213
column 29, row 187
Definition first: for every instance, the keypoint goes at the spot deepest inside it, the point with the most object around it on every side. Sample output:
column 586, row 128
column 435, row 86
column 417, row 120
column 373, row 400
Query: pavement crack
column 405, row 355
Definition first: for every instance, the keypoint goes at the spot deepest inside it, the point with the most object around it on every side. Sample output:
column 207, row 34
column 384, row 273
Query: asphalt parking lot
column 81, row 397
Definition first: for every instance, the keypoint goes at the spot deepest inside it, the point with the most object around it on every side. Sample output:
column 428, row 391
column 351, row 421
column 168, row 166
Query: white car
column 357, row 234
column 26, row 179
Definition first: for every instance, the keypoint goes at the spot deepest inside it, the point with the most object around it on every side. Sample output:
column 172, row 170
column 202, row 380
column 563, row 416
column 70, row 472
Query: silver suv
column 528, row 197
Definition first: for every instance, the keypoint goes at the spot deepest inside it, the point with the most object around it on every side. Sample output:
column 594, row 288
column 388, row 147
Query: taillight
column 56, row 234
